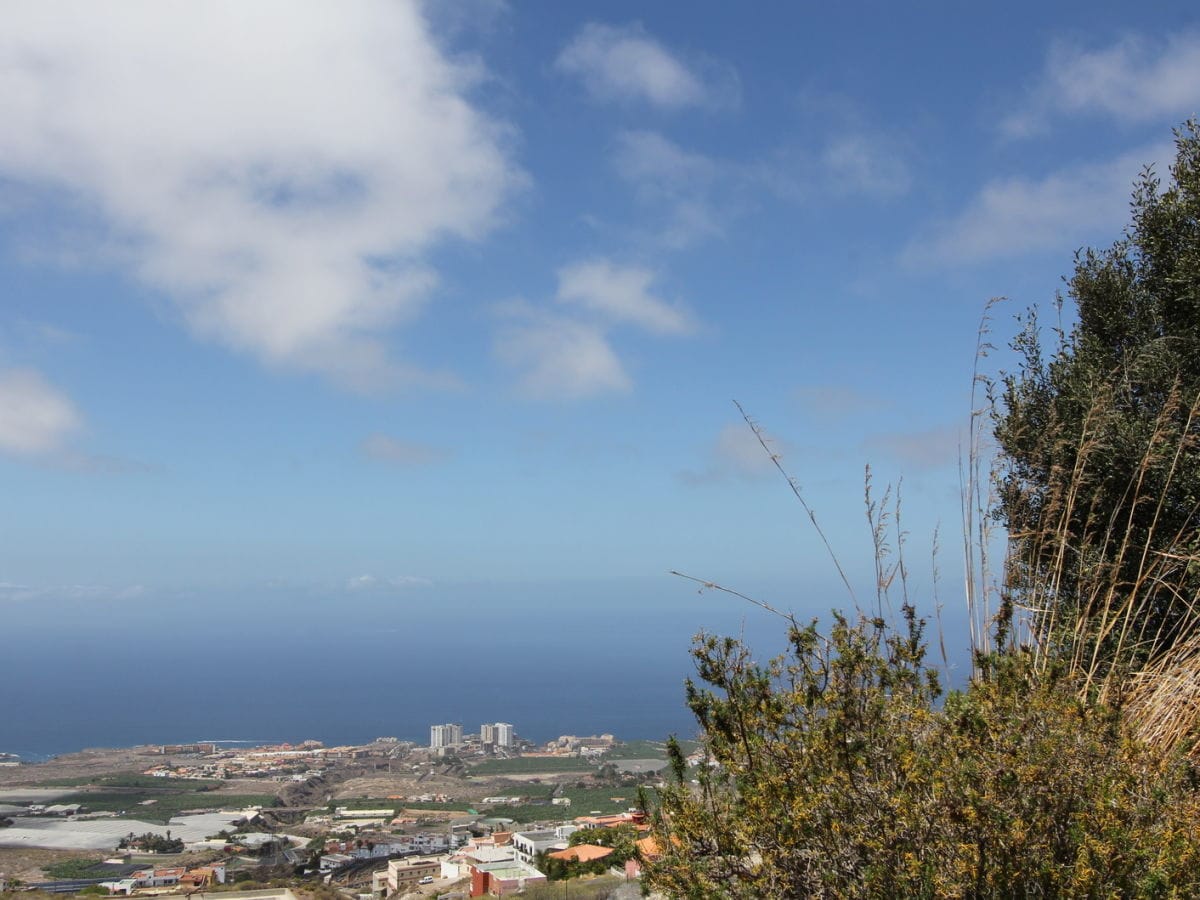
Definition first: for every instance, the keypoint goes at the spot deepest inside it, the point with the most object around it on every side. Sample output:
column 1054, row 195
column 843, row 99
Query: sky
column 335, row 301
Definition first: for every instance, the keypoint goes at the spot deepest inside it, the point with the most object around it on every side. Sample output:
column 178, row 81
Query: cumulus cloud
column 625, row 64
column 571, row 356
column 1018, row 215
column 621, row 294
column 382, row 448
column 1134, row 80
column 36, row 418
column 560, row 358
column 278, row 171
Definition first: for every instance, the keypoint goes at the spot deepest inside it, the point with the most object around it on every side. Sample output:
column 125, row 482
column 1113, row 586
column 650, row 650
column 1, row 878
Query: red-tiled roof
column 648, row 848
column 582, row 852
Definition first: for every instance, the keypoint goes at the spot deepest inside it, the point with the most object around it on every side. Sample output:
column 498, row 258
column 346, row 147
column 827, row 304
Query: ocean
column 285, row 664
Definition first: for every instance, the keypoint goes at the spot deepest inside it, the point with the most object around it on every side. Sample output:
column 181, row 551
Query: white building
column 449, row 735
column 528, row 844
column 498, row 734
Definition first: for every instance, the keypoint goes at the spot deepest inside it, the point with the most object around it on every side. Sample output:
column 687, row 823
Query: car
column 428, row 879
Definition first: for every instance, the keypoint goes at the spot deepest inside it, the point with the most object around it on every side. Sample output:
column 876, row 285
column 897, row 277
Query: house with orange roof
column 583, row 853
column 633, row 817
column 648, row 850
column 204, row 876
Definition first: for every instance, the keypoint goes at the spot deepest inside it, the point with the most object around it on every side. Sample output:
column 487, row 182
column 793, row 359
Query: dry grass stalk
column 1122, row 615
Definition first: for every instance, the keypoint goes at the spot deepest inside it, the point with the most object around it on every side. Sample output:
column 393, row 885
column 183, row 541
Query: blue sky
column 377, row 297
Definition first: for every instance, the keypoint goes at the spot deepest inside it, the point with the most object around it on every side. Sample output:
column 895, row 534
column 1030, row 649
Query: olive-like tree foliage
column 833, row 771
column 1098, row 441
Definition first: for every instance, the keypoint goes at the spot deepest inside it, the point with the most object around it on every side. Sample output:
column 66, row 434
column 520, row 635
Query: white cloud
column 627, row 65
column 24, row 593
column 621, row 294
column 279, row 171
column 695, row 197
column 35, row 417
column 646, row 157
column 1134, row 80
column 926, row 449
column 681, row 185
column 835, row 401
column 736, row 452
column 857, row 164
column 376, row 583
column 398, row 452
column 469, row 17
column 851, row 154
column 560, row 358
column 739, row 448
column 1061, row 211
column 571, row 356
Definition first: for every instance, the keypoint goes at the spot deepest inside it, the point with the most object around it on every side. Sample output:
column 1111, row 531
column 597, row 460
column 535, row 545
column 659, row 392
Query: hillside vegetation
column 1065, row 767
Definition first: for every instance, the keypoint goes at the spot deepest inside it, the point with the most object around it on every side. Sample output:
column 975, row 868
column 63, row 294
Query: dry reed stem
column 1133, row 636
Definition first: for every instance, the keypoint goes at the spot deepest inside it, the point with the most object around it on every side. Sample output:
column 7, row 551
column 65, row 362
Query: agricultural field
column 463, row 806
column 638, row 750
column 161, row 807
column 605, row 800
column 584, row 801
column 647, row 750
column 151, row 799
column 132, row 780
column 525, row 813
column 531, row 765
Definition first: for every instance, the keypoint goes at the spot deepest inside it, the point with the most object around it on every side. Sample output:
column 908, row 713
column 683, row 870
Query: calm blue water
column 288, row 665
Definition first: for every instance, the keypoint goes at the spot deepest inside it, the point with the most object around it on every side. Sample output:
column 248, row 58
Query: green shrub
column 834, row 772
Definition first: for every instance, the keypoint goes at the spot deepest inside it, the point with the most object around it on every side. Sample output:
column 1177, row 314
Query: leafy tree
column 1100, row 478
column 151, row 842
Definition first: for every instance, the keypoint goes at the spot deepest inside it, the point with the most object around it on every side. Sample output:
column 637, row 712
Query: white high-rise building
column 498, row 734
column 448, row 735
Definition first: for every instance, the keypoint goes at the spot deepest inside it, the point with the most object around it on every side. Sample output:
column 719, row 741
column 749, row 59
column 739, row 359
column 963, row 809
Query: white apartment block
column 448, row 735
column 498, row 734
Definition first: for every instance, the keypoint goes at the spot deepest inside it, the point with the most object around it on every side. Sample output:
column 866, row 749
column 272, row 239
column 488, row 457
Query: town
column 470, row 814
